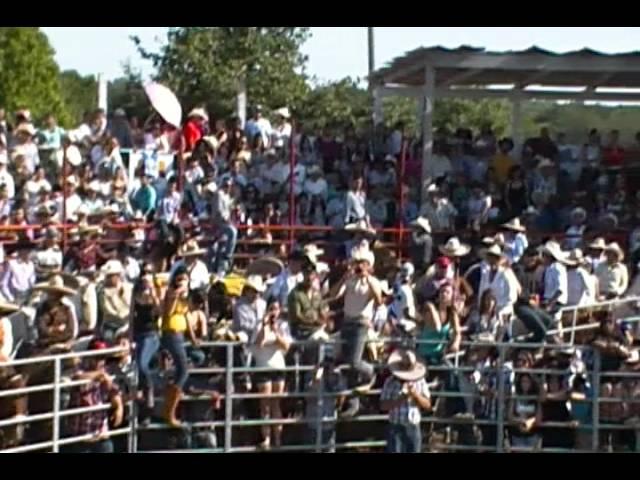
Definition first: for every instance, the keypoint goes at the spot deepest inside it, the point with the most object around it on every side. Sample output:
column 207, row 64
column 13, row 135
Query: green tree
column 453, row 113
column 29, row 74
column 127, row 92
column 205, row 65
column 79, row 93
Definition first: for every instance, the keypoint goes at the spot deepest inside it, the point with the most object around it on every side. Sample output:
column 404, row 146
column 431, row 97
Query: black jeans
column 536, row 320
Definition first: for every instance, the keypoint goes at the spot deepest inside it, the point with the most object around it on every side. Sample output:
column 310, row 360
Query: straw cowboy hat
column 112, row 267
column 360, row 227
column 8, row 308
column 615, row 248
column 265, row 266
column 55, row 284
column 553, row 249
column 515, row 225
column 199, row 112
column 255, row 282
column 488, row 241
column 312, row 252
column 190, row 249
column 575, row 258
column 363, row 255
column 494, row 250
column 283, row 112
column 71, row 180
column 454, row 248
column 423, row 223
column 314, row 170
column 598, row 244
column 404, row 365
column 27, row 128
column 211, row 141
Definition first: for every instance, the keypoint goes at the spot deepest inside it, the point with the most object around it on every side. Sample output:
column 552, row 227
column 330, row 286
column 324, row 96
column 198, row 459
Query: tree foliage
column 127, row 92
column 205, row 65
column 29, row 74
column 79, row 93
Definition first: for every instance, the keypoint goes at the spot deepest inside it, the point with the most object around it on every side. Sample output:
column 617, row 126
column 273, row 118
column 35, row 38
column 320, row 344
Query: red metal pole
column 292, row 197
column 403, row 156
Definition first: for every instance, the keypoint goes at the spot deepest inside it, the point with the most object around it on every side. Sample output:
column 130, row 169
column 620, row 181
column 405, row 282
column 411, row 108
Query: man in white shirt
column 73, row 200
column 276, row 173
column 555, row 285
column 394, row 142
column 282, row 133
column 288, row 279
column 361, row 291
column 613, row 276
column 259, row 125
column 19, row 276
column 439, row 166
column 582, row 285
column 199, row 278
column 501, row 280
column 315, row 185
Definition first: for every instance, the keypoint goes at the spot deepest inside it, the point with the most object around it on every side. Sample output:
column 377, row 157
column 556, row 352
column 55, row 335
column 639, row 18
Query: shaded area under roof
column 470, row 66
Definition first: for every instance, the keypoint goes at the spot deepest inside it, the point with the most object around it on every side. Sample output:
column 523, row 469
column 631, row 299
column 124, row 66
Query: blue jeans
column 225, row 248
column 354, row 337
column 147, row 345
column 174, row 344
column 328, row 438
column 101, row 446
column 404, row 439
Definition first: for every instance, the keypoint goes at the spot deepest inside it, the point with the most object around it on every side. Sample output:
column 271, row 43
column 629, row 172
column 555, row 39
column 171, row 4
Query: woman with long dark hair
column 174, row 326
column 524, row 412
column 515, row 192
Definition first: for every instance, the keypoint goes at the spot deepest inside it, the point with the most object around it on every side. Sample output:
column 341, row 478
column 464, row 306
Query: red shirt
column 613, row 156
column 191, row 133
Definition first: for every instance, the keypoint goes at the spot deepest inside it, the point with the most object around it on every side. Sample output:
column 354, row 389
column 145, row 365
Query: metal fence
column 443, row 430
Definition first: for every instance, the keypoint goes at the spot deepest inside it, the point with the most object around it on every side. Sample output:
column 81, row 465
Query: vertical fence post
column 595, row 414
column 56, row 404
column 132, row 435
column 320, row 401
column 401, row 205
column 501, row 399
column 292, row 196
column 573, row 326
column 228, row 399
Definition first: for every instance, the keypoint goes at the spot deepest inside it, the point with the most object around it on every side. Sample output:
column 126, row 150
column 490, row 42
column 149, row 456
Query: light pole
column 372, row 63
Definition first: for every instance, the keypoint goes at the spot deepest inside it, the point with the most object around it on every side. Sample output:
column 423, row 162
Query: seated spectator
column 198, row 320
column 56, row 318
column 613, row 276
column 115, row 300
column 524, row 413
column 439, row 328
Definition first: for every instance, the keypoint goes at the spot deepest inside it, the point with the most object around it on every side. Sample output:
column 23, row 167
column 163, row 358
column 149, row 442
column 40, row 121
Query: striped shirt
column 407, row 413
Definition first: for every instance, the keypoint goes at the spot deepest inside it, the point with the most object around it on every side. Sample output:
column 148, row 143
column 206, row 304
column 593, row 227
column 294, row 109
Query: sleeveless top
column 176, row 320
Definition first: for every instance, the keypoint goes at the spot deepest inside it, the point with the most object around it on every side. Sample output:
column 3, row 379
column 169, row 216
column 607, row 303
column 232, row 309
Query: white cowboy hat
column 545, row 163
column 283, row 112
column 314, row 169
column 199, row 112
column 190, row 249
column 212, row 141
column 531, row 210
column 515, row 225
column 598, row 244
column 255, row 282
column 7, row 308
column 494, row 250
column 25, row 128
column 390, row 159
column 553, row 249
column 575, row 258
column 454, row 248
column 138, row 215
column 407, row 270
column 55, row 284
column 363, row 255
column 634, row 357
column 423, row 223
column 71, row 180
column 488, row 241
column 112, row 208
column 312, row 252
column 433, row 188
column 360, row 226
column 3, row 159
column 211, row 187
column 112, row 267
column 404, row 365
column 615, row 248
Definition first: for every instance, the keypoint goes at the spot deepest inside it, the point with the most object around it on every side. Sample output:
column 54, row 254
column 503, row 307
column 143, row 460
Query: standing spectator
column 156, row 140
column 56, row 318
column 394, row 141
column 50, row 137
column 361, row 292
column 228, row 234
column 144, row 198
column 502, row 163
column 524, row 413
column 100, row 389
column 595, row 254
column 613, row 276
column 19, row 275
column 356, row 202
column 115, row 301
column 259, row 125
column 582, row 286
column 271, row 343
column 515, row 240
column 174, row 326
column 136, row 132
column 555, row 288
column 121, row 129
column 281, row 134
column 25, row 147
column 403, row 395
column 516, row 192
column 421, row 243
column 192, row 131
column 438, row 210
column 440, row 165
column 199, row 277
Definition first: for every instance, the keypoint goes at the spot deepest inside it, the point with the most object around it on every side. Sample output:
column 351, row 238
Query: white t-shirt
column 34, row 186
column 73, row 203
column 270, row 355
column 358, row 298
column 316, row 187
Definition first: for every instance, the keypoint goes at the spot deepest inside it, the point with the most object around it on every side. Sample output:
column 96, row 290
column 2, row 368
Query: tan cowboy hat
column 199, row 112
column 617, row 249
column 74, row 157
column 89, row 230
column 423, row 223
column 112, row 267
column 361, row 227
column 27, row 128
column 190, row 249
column 255, row 282
column 553, row 249
column 454, row 248
column 283, row 112
column 598, row 244
column 71, row 180
column 404, row 365
column 494, row 250
column 515, row 225
column 55, row 284
column 488, row 241
column 265, row 266
column 575, row 257
column 211, row 141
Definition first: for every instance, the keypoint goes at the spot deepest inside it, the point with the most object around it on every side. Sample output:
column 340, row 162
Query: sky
column 337, row 52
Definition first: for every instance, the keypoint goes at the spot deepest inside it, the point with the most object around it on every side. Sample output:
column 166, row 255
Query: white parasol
column 165, row 103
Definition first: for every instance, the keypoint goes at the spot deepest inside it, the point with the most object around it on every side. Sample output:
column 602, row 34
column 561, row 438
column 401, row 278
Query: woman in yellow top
column 174, row 327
